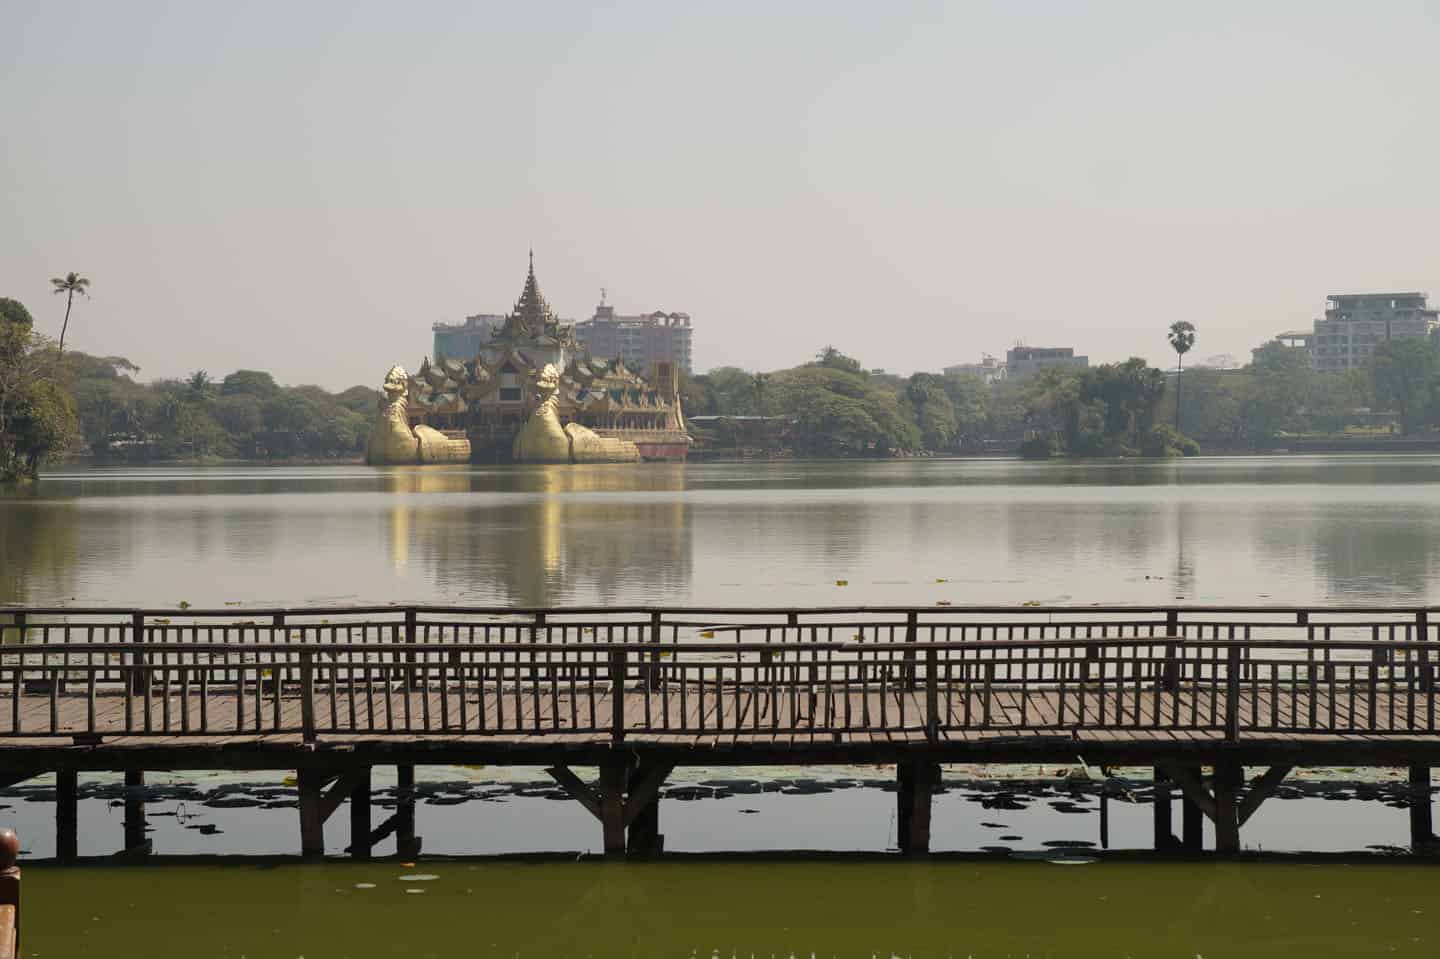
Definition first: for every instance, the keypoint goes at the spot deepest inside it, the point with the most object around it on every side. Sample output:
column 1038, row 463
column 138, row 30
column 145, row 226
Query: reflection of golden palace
column 392, row 440
column 543, row 440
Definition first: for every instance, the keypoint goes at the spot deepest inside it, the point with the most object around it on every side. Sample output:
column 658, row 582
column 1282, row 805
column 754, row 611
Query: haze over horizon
column 306, row 188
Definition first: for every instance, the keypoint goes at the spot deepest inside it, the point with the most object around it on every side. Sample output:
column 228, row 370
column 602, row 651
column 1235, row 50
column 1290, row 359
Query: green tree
column 1182, row 338
column 733, row 392
column 201, row 388
column 71, row 284
column 1404, row 373
column 253, row 382
column 971, row 401
column 934, row 414
column 832, row 359
column 13, row 311
column 1276, row 402
column 37, row 411
column 838, row 413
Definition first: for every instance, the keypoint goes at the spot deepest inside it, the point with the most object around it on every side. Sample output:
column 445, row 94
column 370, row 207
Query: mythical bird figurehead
column 397, row 383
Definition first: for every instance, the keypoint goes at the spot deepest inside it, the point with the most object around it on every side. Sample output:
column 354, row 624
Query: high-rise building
column 641, row 341
column 461, row 341
column 1028, row 360
column 1355, row 323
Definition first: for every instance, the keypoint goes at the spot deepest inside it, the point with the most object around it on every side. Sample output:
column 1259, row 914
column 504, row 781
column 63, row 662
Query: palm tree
column 72, row 284
column 1181, row 337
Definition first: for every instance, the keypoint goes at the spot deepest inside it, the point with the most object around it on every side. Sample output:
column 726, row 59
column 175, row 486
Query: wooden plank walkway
column 687, row 712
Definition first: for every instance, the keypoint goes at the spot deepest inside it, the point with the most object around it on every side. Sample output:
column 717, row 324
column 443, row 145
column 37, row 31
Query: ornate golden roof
column 532, row 317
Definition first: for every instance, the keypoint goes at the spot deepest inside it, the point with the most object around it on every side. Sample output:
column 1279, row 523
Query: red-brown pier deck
column 330, row 693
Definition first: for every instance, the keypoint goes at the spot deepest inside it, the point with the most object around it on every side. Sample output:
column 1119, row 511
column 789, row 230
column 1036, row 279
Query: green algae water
column 1035, row 910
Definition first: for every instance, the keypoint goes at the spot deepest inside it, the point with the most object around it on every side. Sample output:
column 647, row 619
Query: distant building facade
column 462, row 341
column 989, row 369
column 642, row 341
column 1355, row 323
column 1025, row 361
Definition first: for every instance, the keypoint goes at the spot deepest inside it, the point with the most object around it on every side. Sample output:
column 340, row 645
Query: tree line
column 833, row 407
column 54, row 403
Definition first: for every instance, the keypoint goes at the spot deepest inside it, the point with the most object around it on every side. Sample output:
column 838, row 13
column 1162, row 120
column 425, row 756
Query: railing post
column 278, row 634
column 411, row 657
column 19, row 619
column 1170, row 679
column 932, row 695
column 1422, row 655
column 617, row 695
column 1232, row 695
column 652, row 674
column 307, row 695
column 137, row 658
column 912, row 636
column 9, row 894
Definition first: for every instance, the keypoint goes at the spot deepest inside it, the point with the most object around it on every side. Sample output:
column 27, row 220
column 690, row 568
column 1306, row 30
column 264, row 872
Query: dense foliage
column 833, row 407
column 246, row 415
column 37, row 411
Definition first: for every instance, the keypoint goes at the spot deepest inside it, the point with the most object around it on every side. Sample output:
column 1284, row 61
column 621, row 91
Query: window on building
column 509, row 384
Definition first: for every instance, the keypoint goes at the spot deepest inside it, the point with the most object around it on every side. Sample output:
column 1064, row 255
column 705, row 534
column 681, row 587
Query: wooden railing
column 613, row 674
column 9, row 894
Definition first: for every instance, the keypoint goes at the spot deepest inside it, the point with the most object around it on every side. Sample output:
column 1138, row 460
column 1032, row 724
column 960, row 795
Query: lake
column 1032, row 910
column 1286, row 529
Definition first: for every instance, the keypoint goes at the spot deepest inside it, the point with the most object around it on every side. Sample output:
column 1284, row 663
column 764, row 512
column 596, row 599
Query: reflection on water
column 1223, row 530
column 556, row 541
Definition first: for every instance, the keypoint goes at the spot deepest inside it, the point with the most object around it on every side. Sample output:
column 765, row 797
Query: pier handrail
column 9, row 894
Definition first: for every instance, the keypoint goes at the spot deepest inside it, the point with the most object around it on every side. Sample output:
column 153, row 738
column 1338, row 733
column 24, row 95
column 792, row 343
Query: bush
column 1163, row 441
column 1038, row 448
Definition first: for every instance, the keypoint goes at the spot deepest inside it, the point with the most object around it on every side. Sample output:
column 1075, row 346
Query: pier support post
column 613, row 774
column 360, row 814
column 405, row 842
column 917, row 780
column 1163, row 812
column 1229, row 778
column 312, row 817
column 67, row 815
column 1192, row 821
column 642, row 810
column 1422, row 823
column 135, row 842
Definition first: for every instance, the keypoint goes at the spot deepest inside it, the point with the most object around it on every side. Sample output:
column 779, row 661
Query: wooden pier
column 331, row 693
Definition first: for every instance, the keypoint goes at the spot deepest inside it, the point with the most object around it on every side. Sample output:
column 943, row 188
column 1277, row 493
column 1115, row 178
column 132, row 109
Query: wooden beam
column 134, row 811
column 67, row 822
column 1262, row 791
column 1229, row 780
column 406, row 843
column 1422, row 824
column 360, row 813
column 342, row 786
column 581, row 793
column 613, row 773
column 645, row 786
column 1162, row 812
column 1190, row 785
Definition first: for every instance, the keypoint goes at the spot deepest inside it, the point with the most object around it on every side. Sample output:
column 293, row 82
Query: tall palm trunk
column 1179, row 373
column 69, row 298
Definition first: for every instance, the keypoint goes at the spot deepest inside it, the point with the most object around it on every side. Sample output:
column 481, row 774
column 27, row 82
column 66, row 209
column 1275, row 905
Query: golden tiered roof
column 532, row 320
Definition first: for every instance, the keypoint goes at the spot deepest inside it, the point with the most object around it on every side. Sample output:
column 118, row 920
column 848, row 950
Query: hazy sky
column 306, row 187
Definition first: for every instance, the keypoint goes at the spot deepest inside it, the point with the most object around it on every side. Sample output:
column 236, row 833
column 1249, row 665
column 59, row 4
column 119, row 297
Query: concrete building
column 1028, row 360
column 1355, row 323
column 988, row 369
column 462, row 341
column 641, row 341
